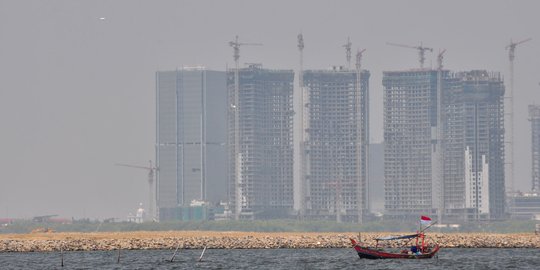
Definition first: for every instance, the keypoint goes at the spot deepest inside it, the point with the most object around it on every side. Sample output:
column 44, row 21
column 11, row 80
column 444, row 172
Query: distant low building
column 526, row 206
column 197, row 211
column 6, row 221
column 139, row 216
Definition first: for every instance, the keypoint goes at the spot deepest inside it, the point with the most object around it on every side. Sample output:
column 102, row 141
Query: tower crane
column 235, row 110
column 440, row 58
column 348, row 52
column 236, row 48
column 512, row 48
column 300, row 173
column 421, row 51
column 151, row 172
column 362, row 194
column 437, row 155
column 511, row 56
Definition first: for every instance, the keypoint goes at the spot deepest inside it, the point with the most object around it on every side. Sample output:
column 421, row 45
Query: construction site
column 534, row 118
column 304, row 151
column 335, row 144
column 473, row 146
column 409, row 115
column 260, row 142
column 444, row 142
column 471, row 134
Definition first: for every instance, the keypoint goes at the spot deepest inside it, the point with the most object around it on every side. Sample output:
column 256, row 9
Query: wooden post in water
column 118, row 257
column 174, row 255
column 62, row 255
column 202, row 254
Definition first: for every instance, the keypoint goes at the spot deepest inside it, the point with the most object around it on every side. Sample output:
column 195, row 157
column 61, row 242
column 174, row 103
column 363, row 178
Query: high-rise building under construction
column 469, row 181
column 336, row 115
column 191, row 136
column 261, row 142
column 410, row 99
column 534, row 117
column 473, row 144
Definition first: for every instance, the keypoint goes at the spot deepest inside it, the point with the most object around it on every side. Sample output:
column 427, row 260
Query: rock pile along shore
column 243, row 240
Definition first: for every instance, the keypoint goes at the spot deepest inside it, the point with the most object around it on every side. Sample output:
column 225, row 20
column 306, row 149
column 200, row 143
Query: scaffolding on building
column 474, row 113
column 261, row 142
column 534, row 118
column 335, row 143
column 409, row 117
column 467, row 114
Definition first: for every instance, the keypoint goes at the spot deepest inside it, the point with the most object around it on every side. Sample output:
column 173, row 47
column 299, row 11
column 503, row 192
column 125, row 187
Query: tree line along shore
column 46, row 242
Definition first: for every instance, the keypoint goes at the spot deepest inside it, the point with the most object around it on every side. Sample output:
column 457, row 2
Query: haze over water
column 77, row 78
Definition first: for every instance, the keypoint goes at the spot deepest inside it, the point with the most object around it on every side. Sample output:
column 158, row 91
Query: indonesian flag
column 425, row 220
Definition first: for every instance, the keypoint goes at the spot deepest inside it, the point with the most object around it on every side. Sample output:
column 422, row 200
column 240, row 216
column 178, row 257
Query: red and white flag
column 425, row 220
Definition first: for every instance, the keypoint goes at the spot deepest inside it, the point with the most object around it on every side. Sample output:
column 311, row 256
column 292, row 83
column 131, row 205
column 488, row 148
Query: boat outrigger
column 420, row 249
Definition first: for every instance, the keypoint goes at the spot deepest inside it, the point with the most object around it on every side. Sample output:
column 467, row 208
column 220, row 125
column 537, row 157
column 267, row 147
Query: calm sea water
column 271, row 259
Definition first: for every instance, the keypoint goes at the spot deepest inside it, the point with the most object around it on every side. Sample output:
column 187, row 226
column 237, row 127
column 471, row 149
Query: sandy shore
column 237, row 240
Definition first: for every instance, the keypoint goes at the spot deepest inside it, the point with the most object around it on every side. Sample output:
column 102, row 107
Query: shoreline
column 142, row 240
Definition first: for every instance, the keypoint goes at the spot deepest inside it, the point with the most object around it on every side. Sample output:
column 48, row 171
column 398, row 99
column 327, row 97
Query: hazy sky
column 77, row 92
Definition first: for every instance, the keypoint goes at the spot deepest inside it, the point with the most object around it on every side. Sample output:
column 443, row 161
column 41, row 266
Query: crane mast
column 511, row 56
column 362, row 188
column 347, row 47
column 236, row 111
column 299, row 164
column 438, row 170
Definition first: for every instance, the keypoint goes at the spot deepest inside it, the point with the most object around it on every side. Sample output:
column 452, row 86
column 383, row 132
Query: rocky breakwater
column 242, row 240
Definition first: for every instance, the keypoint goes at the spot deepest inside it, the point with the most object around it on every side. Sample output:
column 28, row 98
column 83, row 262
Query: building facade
column 474, row 145
column 526, row 206
column 471, row 143
column 335, row 148
column 261, row 142
column 534, row 117
column 191, row 137
column 410, row 99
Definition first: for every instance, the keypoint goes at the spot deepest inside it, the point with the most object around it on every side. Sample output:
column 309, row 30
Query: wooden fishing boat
column 419, row 250
column 375, row 253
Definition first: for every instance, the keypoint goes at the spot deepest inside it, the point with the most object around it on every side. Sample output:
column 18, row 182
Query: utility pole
column 511, row 56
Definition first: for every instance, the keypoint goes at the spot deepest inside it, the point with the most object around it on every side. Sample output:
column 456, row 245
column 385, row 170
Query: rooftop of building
column 414, row 70
column 259, row 67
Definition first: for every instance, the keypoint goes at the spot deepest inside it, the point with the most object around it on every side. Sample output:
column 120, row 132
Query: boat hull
column 368, row 253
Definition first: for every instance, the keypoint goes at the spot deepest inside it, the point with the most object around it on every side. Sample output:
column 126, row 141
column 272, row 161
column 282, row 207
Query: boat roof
column 397, row 237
